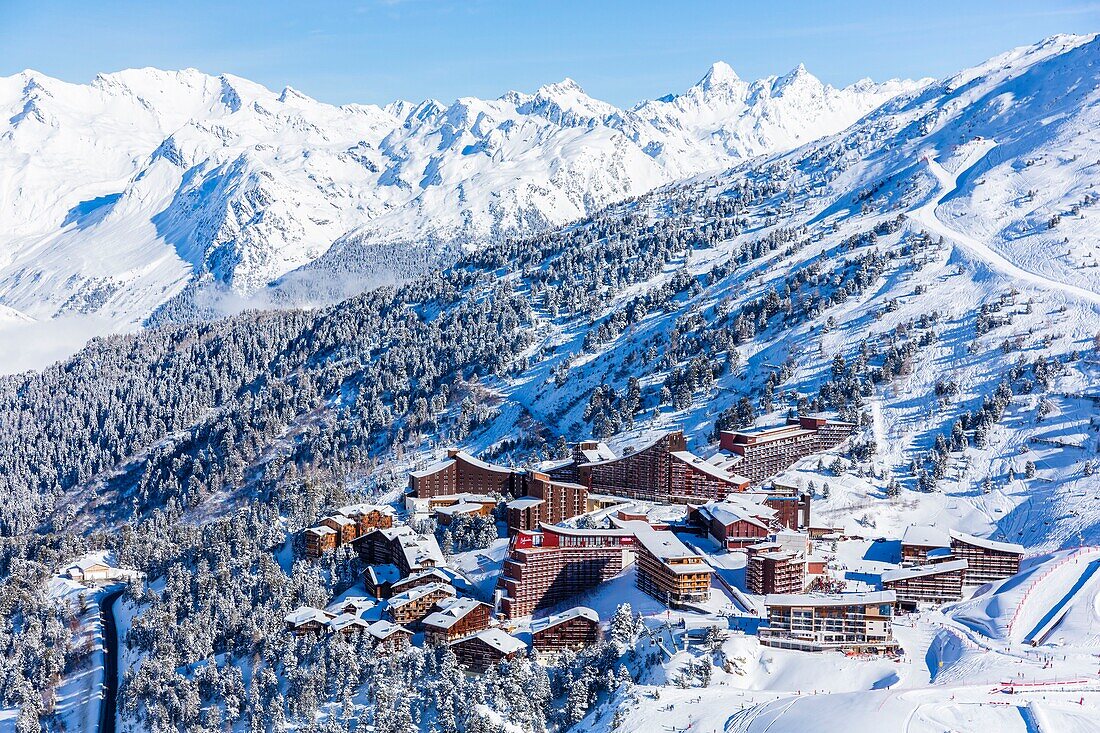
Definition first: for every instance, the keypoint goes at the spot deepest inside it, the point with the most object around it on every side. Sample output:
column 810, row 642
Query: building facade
column 546, row 500
column 766, row 452
column 937, row 583
column 486, row 648
column 849, row 622
column 455, row 619
column 575, row 629
column 987, row 560
column 666, row 569
column 772, row 570
column 461, row 473
column 554, row 564
column 411, row 606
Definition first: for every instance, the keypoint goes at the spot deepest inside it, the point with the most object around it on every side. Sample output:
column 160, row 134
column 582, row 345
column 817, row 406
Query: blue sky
column 378, row 50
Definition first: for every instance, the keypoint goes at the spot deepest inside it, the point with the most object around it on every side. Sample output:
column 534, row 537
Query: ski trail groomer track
column 927, row 215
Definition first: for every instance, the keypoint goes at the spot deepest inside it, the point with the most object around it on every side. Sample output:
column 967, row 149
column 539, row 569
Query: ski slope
column 948, row 186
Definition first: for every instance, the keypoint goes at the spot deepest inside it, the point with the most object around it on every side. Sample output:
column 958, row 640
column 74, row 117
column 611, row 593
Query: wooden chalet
column 576, row 628
column 411, row 606
column 486, row 648
column 307, row 620
column 456, row 618
column 387, row 636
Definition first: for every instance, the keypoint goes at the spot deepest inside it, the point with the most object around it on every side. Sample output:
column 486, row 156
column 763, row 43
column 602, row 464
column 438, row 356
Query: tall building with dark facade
column 461, row 473
column 766, row 452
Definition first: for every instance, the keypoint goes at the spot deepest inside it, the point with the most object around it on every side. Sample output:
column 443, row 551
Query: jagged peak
column 565, row 86
column 719, row 74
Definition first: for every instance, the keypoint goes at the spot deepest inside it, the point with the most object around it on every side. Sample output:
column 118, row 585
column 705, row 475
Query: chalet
column 771, row 569
column 934, row 584
column 89, row 570
column 446, row 508
column 319, row 540
column 573, row 629
column 666, row 568
column 734, row 523
column 355, row 605
column 400, row 546
column 424, row 577
column 486, row 648
column 379, row 579
column 369, row 516
column 456, row 618
column 987, row 560
column 849, row 622
column 346, row 624
column 346, row 528
column 462, row 473
column 386, row 635
column 918, row 540
column 307, row 620
column 413, row 605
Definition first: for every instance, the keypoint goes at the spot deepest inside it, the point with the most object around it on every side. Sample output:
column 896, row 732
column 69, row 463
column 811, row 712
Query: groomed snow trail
column 927, row 215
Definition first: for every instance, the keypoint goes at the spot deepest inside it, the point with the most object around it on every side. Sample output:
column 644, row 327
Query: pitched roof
column 380, row 574
column 414, row 594
column 525, row 502
column 467, row 458
column 708, row 468
column 433, row 468
column 452, row 612
column 320, row 530
column 383, row 629
column 891, row 576
column 496, row 639
column 541, row 624
column 359, row 604
column 344, row 620
column 665, row 546
column 304, row 614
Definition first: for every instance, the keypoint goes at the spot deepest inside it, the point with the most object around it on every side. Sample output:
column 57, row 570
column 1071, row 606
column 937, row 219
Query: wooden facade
column 926, row 584
column 770, row 570
column 987, row 560
column 399, row 546
column 486, row 648
column 410, row 607
column 765, row 453
column 666, row 569
column 455, row 619
column 462, row 473
column 574, row 629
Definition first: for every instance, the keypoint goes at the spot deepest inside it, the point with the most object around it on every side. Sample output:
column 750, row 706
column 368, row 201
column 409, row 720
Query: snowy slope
column 116, row 194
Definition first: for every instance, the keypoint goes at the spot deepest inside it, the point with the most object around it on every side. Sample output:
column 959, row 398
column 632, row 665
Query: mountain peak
column 565, row 86
column 719, row 74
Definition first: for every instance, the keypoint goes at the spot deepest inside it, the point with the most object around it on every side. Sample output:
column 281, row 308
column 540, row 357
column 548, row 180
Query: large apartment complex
column 986, row 560
column 766, row 452
column 546, row 500
column 461, row 473
column 772, row 569
column 555, row 563
column 861, row 622
column 940, row 582
column 666, row 568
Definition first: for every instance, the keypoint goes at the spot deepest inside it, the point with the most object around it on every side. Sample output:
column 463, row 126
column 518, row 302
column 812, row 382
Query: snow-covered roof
column 541, row 624
column 988, row 544
column 708, row 468
column 737, row 508
column 466, row 498
column 344, row 620
column 576, row 532
column 89, row 562
column 600, row 452
column 305, row 614
column 665, row 546
column 454, row 509
column 467, row 458
column 414, row 594
column 339, row 519
column 359, row 604
column 830, row 599
column 379, row 574
column 525, row 502
column 433, row 468
column 924, row 535
column 497, row 639
column 426, row 573
column 320, row 530
column 452, row 612
column 353, row 510
column 612, row 457
column 920, row 571
column 421, row 550
column 383, row 629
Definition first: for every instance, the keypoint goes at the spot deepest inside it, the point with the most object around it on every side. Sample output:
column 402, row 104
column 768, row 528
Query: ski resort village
column 758, row 407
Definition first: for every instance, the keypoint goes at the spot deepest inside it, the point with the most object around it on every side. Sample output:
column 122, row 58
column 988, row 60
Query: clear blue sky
column 379, row 50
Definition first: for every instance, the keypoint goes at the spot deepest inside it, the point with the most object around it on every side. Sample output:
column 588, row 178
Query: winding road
column 948, row 184
column 108, row 709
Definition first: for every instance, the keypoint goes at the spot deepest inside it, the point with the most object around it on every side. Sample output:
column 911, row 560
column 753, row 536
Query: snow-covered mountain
column 115, row 195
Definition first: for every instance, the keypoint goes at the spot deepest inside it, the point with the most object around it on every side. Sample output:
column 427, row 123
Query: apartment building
column 462, row 473
column 546, row 500
column 666, row 568
column 987, row 560
column 932, row 584
column 771, row 569
column 735, row 522
column 554, row 564
column 399, row 546
column 849, row 622
column 456, row 618
column 766, row 452
column 923, row 544
column 411, row 606
column 576, row 628
column 486, row 648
